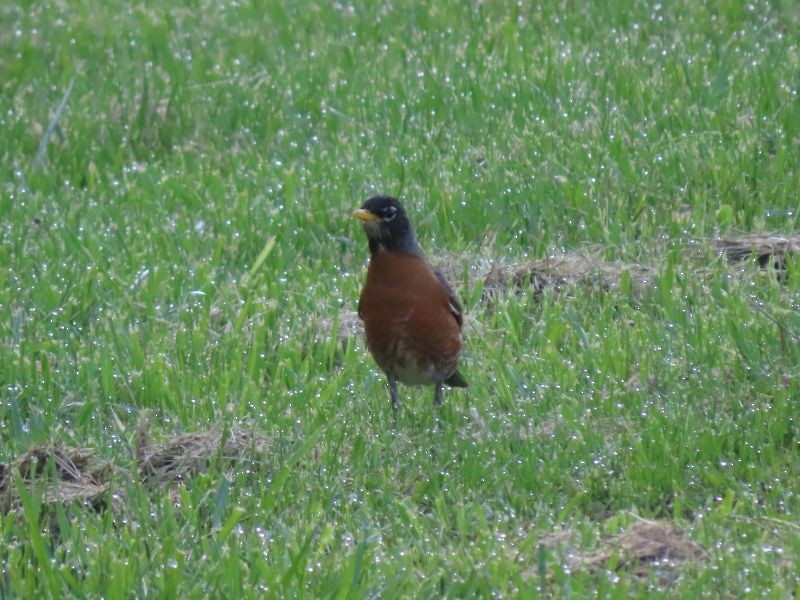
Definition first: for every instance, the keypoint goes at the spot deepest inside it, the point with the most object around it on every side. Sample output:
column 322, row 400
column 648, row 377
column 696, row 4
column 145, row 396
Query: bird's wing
column 453, row 304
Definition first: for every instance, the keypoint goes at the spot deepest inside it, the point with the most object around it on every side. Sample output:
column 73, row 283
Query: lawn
column 188, row 406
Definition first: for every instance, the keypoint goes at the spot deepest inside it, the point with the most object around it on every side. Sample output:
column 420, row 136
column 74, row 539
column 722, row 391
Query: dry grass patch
column 588, row 268
column 643, row 549
column 78, row 476
column 183, row 456
column 766, row 249
column 560, row 272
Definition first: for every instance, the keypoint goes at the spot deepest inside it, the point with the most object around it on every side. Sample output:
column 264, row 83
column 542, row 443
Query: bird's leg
column 437, row 396
column 437, row 401
column 395, row 398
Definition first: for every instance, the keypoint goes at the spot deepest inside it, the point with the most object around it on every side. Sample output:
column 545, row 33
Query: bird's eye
column 390, row 213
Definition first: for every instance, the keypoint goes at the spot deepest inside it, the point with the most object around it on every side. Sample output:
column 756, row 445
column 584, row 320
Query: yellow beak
column 365, row 215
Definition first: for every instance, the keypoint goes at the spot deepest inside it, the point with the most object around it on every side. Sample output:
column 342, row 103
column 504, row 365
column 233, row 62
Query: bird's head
column 386, row 225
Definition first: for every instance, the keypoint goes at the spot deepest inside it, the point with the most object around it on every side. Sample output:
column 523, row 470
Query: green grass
column 186, row 231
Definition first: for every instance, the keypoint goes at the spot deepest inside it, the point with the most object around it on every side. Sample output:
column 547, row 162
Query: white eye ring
column 391, row 213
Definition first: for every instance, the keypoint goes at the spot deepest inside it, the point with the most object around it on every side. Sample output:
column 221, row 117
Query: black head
column 387, row 226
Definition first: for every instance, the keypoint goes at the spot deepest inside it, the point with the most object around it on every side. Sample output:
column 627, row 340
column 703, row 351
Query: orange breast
column 409, row 327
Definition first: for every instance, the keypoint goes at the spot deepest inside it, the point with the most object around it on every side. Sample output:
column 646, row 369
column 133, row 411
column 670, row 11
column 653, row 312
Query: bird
column 412, row 318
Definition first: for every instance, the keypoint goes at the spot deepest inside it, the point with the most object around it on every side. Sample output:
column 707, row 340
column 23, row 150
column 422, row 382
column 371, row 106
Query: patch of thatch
column 588, row 268
column 645, row 548
column 78, row 476
column 186, row 455
column 563, row 271
column 645, row 545
column 766, row 249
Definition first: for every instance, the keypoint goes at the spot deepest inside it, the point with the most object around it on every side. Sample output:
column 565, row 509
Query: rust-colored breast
column 410, row 328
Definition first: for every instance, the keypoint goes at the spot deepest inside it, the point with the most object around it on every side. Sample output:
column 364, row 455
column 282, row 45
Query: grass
column 188, row 227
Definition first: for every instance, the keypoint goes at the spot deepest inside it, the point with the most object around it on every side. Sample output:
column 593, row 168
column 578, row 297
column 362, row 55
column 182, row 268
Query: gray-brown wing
column 455, row 306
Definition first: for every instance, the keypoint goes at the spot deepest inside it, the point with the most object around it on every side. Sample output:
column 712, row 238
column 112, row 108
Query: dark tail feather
column 456, row 380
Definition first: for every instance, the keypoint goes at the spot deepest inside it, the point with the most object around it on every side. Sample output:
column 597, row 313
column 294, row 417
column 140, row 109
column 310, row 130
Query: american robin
column 411, row 316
